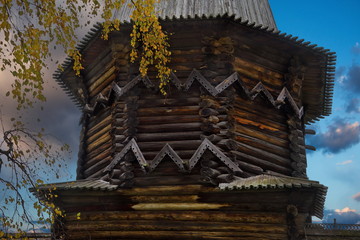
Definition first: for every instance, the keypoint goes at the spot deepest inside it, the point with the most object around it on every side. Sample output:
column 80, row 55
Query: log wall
column 176, row 212
column 244, row 122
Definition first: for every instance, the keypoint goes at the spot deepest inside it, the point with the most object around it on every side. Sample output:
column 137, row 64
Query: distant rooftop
column 254, row 11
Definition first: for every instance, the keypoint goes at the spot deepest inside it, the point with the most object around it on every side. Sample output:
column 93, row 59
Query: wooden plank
column 168, row 136
column 264, row 164
column 281, row 142
column 166, row 111
column 268, row 122
column 104, row 130
column 100, row 86
column 260, row 110
column 99, row 126
column 174, row 225
column 217, row 216
column 254, row 151
column 171, row 127
column 175, row 235
column 104, row 139
column 99, row 166
column 95, row 83
column 264, row 145
column 166, row 180
column 168, row 119
column 171, row 101
column 97, row 158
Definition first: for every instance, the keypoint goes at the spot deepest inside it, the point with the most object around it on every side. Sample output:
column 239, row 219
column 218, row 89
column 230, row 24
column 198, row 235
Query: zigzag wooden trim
column 214, row 91
column 167, row 150
column 285, row 95
column 207, row 145
column 119, row 92
column 131, row 145
column 260, row 88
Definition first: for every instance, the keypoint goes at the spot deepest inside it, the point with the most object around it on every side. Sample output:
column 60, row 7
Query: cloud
column 340, row 74
column 344, row 216
column 356, row 49
column 352, row 81
column 344, row 210
column 344, row 162
column 339, row 136
column 356, row 197
column 353, row 106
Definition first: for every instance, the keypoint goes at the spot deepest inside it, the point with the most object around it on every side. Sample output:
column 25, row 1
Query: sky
column 333, row 24
column 330, row 24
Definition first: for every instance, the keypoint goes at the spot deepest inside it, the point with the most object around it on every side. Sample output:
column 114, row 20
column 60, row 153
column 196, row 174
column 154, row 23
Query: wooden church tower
column 223, row 155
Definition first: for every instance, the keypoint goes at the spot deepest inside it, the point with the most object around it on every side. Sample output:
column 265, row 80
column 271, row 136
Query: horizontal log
column 168, row 119
column 261, row 144
column 166, row 111
column 260, row 110
column 254, row 151
column 169, row 102
column 264, row 164
column 191, row 135
column 177, row 226
column 191, row 216
column 206, row 112
column 171, row 127
column 206, row 163
column 116, row 173
column 166, row 180
column 254, row 70
column 260, row 127
column 210, row 129
column 194, row 235
column 278, row 141
column 267, row 123
column 310, row 131
column 249, row 167
column 225, row 178
column 209, row 103
column 209, row 172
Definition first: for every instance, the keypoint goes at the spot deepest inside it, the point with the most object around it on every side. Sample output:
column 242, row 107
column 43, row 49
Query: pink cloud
column 344, row 210
column 356, row 197
column 344, row 162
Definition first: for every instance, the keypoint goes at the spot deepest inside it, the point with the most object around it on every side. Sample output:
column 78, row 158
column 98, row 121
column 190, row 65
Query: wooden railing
column 332, row 226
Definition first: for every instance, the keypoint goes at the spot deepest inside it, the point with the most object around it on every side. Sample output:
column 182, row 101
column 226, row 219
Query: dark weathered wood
column 170, row 180
column 191, row 135
column 168, row 119
column 181, row 145
column 171, row 127
column 264, row 145
column 217, row 216
column 166, row 111
column 262, row 154
column 261, row 135
column 264, row 164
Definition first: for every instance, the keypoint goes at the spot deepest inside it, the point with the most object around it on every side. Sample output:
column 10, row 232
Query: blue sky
column 336, row 163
